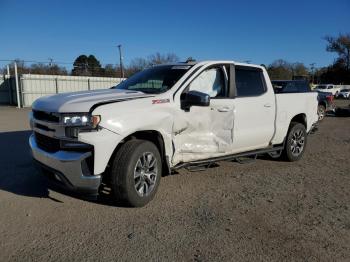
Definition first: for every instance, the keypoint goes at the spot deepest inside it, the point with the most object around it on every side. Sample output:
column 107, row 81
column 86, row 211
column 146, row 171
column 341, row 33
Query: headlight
column 75, row 120
column 81, row 120
column 76, row 123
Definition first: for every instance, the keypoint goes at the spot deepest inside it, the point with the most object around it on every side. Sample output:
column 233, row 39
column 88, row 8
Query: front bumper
column 68, row 168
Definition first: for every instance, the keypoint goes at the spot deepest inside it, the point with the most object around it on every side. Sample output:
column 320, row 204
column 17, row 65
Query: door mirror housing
column 194, row 98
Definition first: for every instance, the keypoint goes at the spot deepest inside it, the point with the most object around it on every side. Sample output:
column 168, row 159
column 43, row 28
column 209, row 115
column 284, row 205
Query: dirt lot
column 261, row 211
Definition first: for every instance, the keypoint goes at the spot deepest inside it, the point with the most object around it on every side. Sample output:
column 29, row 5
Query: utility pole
column 312, row 66
column 121, row 61
column 17, row 86
column 8, row 81
column 50, row 64
column 51, row 61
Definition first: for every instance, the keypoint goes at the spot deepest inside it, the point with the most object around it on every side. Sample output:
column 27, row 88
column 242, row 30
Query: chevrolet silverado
column 164, row 118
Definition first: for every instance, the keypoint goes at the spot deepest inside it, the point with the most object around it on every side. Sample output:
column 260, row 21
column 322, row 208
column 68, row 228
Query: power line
column 44, row 62
column 51, row 62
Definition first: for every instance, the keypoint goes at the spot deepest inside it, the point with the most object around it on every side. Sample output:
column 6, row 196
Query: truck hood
column 83, row 101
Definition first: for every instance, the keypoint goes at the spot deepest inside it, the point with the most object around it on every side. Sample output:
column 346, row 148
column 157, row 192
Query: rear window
column 249, row 81
column 290, row 86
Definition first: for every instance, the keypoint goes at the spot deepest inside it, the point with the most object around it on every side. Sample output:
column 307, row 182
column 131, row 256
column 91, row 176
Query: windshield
column 321, row 87
column 154, row 80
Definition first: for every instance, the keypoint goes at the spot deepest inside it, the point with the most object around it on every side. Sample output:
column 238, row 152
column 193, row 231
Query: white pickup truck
column 164, row 118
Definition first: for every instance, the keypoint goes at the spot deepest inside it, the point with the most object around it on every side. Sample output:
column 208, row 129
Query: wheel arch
column 299, row 118
column 153, row 136
column 323, row 103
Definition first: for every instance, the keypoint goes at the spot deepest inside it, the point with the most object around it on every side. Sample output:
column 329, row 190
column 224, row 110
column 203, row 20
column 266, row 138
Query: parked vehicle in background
column 325, row 104
column 165, row 118
column 335, row 90
column 344, row 93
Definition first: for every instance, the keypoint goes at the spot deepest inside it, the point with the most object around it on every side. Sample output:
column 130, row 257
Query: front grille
column 44, row 116
column 46, row 143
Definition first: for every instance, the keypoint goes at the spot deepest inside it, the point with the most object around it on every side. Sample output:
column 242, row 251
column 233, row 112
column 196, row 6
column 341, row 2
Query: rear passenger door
column 254, row 114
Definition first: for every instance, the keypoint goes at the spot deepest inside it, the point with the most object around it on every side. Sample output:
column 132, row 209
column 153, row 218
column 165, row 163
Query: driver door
column 205, row 132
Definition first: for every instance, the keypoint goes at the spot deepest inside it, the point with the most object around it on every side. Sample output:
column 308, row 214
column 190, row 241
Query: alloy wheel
column 297, row 143
column 145, row 174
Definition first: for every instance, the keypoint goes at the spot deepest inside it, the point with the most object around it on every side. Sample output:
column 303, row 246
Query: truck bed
column 291, row 104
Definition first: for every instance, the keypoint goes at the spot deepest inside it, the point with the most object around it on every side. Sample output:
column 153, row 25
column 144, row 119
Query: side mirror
column 194, row 98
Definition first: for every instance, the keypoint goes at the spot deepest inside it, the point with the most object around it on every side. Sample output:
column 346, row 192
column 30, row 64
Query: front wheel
column 136, row 172
column 295, row 142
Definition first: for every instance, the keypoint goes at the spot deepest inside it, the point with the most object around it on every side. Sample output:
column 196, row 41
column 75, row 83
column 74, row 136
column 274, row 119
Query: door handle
column 224, row 109
column 267, row 105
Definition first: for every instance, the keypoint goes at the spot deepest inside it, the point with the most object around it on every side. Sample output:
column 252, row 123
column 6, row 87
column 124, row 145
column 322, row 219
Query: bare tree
column 283, row 70
column 39, row 68
column 280, row 70
column 299, row 69
column 341, row 46
column 158, row 58
column 140, row 63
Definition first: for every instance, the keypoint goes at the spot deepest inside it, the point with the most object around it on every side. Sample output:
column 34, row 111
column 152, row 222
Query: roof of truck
column 193, row 62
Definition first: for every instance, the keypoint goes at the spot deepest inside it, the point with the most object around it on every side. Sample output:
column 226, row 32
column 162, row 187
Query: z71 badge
column 160, row 101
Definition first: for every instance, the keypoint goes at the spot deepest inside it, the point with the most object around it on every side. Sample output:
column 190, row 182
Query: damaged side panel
column 203, row 132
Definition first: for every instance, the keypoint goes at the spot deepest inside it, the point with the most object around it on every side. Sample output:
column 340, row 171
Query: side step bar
column 228, row 157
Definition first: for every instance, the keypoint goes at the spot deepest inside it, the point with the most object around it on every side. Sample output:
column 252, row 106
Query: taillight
column 330, row 98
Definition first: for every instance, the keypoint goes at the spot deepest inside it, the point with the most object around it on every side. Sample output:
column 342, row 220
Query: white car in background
column 335, row 90
column 345, row 93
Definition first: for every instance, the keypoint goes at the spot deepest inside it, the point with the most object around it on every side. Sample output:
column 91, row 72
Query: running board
column 227, row 158
column 246, row 159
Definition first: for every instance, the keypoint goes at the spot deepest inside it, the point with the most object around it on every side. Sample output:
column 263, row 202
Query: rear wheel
column 295, row 142
column 136, row 172
column 321, row 112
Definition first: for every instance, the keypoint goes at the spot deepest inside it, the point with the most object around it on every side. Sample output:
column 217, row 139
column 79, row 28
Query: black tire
column 321, row 112
column 289, row 153
column 125, row 163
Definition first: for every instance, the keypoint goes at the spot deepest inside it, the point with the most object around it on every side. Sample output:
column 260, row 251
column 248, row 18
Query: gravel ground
column 262, row 211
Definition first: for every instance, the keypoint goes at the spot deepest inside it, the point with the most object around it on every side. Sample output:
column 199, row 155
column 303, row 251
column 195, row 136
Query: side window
column 210, row 82
column 249, row 82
